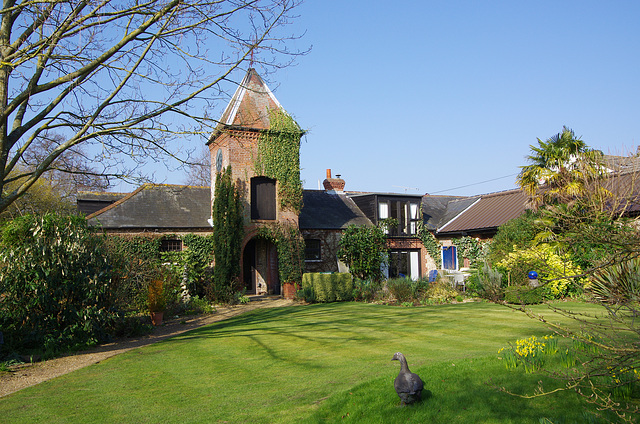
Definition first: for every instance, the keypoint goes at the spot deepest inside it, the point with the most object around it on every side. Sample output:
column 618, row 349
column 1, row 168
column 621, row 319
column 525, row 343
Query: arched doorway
column 260, row 267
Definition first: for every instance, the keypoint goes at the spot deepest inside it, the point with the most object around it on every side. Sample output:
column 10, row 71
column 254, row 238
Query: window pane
column 171, row 245
column 414, row 218
column 312, row 250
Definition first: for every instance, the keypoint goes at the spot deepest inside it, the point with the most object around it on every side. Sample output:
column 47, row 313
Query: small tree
column 228, row 230
column 364, row 250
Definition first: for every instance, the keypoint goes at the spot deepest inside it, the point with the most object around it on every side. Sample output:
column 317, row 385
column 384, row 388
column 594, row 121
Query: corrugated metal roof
column 489, row 211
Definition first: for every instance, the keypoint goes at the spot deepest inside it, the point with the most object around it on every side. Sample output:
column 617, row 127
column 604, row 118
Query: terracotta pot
column 289, row 290
column 156, row 318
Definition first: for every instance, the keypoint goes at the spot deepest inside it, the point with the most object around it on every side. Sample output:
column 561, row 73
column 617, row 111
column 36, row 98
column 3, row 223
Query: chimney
column 333, row 185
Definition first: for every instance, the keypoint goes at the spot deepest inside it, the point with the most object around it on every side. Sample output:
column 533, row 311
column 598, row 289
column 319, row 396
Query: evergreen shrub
column 54, row 281
column 328, row 287
column 523, row 295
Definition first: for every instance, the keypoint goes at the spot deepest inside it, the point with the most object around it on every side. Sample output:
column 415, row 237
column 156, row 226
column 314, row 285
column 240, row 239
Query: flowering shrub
column 555, row 272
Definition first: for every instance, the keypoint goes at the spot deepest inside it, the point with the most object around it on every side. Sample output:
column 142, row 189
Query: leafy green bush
column 400, row 289
column 132, row 326
column 516, row 233
column 364, row 250
column 135, row 261
column 54, row 280
column 406, row 289
column 366, row 290
column 196, row 263
column 523, row 295
column 306, row 294
column 329, row 287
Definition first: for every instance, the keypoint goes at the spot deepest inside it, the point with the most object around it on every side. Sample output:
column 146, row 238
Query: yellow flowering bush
column 554, row 270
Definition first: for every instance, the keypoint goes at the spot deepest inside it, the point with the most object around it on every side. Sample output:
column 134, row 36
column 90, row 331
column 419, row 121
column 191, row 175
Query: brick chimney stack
column 333, row 185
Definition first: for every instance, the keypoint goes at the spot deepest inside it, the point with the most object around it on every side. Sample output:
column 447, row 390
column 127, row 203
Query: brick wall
column 426, row 262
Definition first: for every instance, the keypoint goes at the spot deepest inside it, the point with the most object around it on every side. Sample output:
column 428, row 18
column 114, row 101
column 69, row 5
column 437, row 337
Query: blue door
column 449, row 257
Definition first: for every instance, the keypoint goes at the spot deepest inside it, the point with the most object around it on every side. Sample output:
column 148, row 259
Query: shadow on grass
column 457, row 393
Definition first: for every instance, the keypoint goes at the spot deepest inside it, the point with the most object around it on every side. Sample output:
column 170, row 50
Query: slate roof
column 438, row 210
column 327, row 211
column 156, row 206
column 89, row 202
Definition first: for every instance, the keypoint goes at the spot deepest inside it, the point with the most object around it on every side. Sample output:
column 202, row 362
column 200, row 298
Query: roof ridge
column 501, row 193
column 118, row 202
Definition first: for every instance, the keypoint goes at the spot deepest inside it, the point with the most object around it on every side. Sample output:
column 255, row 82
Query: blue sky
column 424, row 96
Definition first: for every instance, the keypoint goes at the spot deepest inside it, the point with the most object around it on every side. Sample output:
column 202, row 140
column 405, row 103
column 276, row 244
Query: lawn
column 315, row 363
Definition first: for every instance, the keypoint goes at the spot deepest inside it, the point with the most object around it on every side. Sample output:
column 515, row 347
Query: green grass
column 316, row 363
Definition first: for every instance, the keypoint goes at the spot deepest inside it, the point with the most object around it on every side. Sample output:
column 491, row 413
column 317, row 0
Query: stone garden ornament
column 407, row 384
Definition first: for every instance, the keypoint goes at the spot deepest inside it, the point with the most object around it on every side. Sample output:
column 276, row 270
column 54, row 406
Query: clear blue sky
column 430, row 96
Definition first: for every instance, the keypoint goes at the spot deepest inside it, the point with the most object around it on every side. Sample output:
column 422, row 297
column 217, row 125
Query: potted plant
column 157, row 303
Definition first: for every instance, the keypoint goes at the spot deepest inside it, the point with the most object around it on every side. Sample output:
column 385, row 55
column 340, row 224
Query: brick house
column 177, row 210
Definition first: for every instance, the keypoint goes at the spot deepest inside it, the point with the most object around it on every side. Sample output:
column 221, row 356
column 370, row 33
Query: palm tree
column 559, row 169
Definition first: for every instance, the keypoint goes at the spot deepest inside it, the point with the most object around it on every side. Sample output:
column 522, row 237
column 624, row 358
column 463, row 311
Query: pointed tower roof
column 250, row 105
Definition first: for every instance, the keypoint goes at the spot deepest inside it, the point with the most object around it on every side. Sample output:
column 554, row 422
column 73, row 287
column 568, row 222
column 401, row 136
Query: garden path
column 22, row 376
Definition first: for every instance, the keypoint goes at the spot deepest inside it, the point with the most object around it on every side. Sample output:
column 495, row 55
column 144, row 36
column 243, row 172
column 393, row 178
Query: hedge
column 329, row 287
column 522, row 295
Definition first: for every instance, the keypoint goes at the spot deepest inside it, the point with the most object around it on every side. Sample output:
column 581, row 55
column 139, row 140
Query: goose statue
column 407, row 384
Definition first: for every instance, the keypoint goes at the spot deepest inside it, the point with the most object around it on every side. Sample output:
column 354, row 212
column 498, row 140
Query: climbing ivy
column 138, row 247
column 279, row 158
column 228, row 230
column 470, row 248
column 430, row 243
column 196, row 262
column 290, row 245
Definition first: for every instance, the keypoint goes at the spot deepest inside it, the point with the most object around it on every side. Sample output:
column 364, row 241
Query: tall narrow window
column 263, row 198
column 383, row 213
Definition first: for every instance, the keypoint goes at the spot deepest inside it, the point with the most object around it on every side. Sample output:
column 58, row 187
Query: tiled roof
column 328, row 211
column 487, row 212
column 158, row 206
column 249, row 107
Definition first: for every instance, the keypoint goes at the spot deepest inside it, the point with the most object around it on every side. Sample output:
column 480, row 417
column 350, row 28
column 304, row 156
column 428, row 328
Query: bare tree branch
column 126, row 79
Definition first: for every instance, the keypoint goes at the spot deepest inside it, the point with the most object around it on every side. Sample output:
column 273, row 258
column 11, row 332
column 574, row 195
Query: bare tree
column 199, row 168
column 123, row 78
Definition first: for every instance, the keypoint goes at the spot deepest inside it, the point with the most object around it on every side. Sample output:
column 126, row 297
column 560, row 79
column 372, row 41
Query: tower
column 252, row 138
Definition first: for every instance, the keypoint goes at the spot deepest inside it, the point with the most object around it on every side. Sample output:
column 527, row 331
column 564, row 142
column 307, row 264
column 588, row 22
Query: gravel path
column 23, row 376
